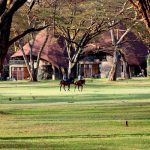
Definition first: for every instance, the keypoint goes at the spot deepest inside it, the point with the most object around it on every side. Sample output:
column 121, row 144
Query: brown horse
column 66, row 83
column 79, row 83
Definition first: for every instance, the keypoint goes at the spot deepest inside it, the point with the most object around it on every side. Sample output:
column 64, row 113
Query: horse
column 66, row 83
column 79, row 83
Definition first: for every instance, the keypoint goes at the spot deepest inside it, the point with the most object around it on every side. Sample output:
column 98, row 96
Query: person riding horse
column 79, row 77
column 66, row 82
column 65, row 77
column 80, row 82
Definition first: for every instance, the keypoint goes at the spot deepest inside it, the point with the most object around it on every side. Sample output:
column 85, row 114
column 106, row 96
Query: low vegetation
column 39, row 116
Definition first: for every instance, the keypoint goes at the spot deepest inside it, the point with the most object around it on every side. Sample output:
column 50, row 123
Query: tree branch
column 10, row 11
column 2, row 6
column 25, row 33
column 131, row 1
column 126, row 32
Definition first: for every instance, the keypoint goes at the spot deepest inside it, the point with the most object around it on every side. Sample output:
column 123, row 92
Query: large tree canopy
column 78, row 22
column 7, row 11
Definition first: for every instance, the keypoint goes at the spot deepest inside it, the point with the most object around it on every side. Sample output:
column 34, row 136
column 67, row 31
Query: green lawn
column 37, row 116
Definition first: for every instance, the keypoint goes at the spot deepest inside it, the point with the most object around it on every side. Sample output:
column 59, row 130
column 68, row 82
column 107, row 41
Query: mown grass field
column 37, row 116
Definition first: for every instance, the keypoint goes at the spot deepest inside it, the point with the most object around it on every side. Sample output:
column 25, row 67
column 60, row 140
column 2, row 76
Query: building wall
column 18, row 72
column 88, row 69
column 98, row 68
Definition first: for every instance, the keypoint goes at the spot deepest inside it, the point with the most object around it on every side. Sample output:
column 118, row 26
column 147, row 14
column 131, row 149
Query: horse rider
column 65, row 77
column 80, row 77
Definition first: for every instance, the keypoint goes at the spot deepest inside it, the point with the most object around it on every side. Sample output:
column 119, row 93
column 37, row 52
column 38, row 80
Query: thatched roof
column 134, row 50
column 53, row 51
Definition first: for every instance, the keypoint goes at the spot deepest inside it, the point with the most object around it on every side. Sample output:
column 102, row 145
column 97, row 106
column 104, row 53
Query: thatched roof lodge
column 134, row 50
column 52, row 57
column 54, row 52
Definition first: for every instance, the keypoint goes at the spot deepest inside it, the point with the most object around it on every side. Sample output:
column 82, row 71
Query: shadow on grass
column 71, row 98
column 76, row 136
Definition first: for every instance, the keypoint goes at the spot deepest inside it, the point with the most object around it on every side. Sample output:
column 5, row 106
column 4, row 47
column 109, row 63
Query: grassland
column 39, row 116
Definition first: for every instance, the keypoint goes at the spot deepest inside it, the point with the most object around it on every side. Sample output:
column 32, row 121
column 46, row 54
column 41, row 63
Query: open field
column 39, row 116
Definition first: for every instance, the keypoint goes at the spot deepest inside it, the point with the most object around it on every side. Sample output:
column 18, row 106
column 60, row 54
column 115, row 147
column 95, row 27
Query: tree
column 78, row 23
column 7, row 11
column 119, row 53
column 131, row 22
column 143, row 9
column 148, row 65
column 30, row 63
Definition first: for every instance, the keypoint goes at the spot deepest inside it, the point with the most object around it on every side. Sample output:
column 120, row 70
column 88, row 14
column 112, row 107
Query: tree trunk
column 3, row 52
column 126, row 68
column 144, row 9
column 34, row 75
column 113, row 71
column 6, row 14
column 40, row 53
column 148, row 65
column 25, row 58
column 70, row 66
column 4, row 39
column 33, row 71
